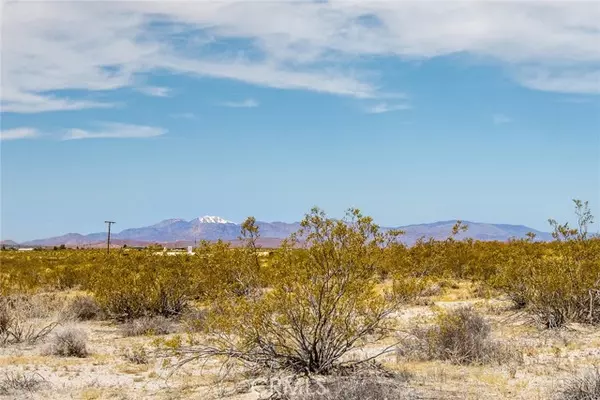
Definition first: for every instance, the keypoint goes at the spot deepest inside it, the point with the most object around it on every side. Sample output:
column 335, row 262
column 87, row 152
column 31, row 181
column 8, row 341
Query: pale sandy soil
column 549, row 357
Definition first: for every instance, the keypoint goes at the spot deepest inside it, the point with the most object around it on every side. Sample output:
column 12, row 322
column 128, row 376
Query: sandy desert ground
column 549, row 358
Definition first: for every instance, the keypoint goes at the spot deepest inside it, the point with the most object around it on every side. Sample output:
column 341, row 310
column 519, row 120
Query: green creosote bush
column 144, row 284
column 323, row 300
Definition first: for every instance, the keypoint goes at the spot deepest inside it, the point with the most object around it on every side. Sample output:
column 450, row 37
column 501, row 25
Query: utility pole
column 108, row 239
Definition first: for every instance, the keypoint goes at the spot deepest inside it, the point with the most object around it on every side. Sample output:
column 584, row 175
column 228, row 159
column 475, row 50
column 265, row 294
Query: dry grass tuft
column 585, row 387
column 83, row 308
column 136, row 355
column 460, row 336
column 15, row 327
column 69, row 343
column 12, row 383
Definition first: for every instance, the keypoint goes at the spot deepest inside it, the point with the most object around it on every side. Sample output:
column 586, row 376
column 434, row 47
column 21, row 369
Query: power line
column 108, row 238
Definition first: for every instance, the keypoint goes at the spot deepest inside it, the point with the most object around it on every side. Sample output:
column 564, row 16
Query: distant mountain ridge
column 181, row 232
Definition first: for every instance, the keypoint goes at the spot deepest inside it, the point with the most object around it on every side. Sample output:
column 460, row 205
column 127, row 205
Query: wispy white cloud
column 30, row 103
column 271, row 75
column 576, row 80
column 50, row 47
column 248, row 103
column 18, row 133
column 381, row 108
column 115, row 131
column 500, row 119
column 155, row 91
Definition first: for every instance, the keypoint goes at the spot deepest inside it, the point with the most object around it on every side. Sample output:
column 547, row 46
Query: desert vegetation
column 342, row 309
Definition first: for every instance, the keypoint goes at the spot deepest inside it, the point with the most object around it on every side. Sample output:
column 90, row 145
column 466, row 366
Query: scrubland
column 341, row 310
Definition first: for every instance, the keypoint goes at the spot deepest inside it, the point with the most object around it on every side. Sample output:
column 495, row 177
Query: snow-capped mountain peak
column 209, row 219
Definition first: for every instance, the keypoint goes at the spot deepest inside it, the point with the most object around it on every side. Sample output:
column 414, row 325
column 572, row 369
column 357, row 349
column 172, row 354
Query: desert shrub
column 323, row 300
column 83, row 308
column 20, row 331
column 147, row 326
column 136, row 355
column 562, row 290
column 234, row 272
column 432, row 289
column 557, row 282
column 481, row 290
column 560, row 285
column 69, row 342
column 16, row 327
column 30, row 272
column 512, row 268
column 584, row 387
column 227, row 270
column 194, row 319
column 65, row 276
column 145, row 284
column 5, row 317
column 517, row 294
column 460, row 336
column 12, row 383
column 35, row 306
column 425, row 258
column 47, row 305
column 449, row 258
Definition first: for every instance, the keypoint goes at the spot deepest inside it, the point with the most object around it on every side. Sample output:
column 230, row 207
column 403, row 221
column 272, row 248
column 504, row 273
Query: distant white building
column 25, row 249
column 175, row 252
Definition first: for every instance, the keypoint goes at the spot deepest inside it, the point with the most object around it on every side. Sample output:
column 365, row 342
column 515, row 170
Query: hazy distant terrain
column 179, row 232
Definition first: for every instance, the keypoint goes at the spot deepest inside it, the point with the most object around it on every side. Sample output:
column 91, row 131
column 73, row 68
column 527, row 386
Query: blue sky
column 139, row 112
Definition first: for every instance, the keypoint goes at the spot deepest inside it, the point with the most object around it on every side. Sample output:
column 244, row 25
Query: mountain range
column 180, row 232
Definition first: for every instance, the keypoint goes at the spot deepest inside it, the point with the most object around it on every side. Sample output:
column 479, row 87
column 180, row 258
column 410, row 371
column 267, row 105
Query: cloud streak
column 115, row 131
column 155, row 91
column 51, row 47
column 382, row 108
column 582, row 81
column 248, row 103
column 32, row 103
column 18, row 133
